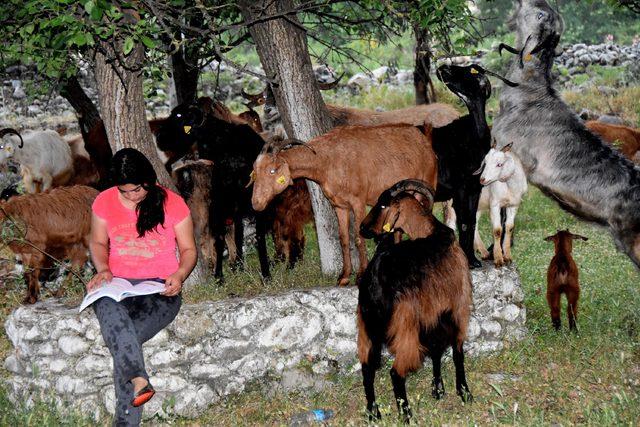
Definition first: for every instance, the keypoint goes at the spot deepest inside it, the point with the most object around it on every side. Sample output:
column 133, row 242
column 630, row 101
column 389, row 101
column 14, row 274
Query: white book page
column 118, row 289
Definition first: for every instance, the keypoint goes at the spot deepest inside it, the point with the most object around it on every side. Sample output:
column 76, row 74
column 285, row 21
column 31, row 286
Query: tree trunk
column 282, row 46
column 425, row 93
column 88, row 118
column 122, row 104
column 184, row 63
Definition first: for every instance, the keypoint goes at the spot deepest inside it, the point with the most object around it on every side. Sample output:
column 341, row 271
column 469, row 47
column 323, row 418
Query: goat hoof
column 508, row 261
column 30, row 300
column 498, row 263
column 374, row 414
column 344, row 281
column 437, row 390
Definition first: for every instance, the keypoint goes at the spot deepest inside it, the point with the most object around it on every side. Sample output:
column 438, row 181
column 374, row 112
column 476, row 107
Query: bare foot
column 138, row 384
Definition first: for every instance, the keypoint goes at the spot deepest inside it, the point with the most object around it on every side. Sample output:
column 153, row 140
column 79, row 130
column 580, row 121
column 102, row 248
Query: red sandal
column 143, row 396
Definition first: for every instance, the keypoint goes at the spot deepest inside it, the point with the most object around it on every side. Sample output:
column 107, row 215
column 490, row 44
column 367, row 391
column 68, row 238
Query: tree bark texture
column 425, row 93
column 88, row 118
column 282, row 46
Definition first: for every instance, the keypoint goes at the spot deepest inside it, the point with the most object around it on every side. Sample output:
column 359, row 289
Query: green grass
column 592, row 377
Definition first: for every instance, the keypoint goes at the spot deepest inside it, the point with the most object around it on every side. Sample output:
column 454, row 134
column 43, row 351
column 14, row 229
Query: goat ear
column 494, row 143
column 549, row 238
column 507, row 147
column 577, row 236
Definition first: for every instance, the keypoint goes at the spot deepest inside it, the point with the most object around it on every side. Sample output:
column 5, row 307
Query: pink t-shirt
column 133, row 257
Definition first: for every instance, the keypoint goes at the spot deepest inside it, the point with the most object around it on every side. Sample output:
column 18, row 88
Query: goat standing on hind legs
column 569, row 163
column 562, row 278
column 415, row 295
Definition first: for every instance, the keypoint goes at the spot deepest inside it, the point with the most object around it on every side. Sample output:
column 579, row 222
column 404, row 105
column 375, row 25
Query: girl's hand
column 101, row 277
column 173, row 285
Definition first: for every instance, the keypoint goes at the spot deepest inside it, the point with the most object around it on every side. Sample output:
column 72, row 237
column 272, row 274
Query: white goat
column 504, row 184
column 44, row 159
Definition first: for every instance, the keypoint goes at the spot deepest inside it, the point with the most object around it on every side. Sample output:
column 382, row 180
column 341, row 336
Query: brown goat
column 623, row 138
column 84, row 170
column 57, row 222
column 415, row 295
column 292, row 210
column 437, row 114
column 562, row 278
column 352, row 165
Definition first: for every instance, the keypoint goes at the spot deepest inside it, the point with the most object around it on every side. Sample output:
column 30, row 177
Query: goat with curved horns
column 415, row 295
column 560, row 156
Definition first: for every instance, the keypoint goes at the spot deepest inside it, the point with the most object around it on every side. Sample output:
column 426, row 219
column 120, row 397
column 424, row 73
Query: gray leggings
column 125, row 326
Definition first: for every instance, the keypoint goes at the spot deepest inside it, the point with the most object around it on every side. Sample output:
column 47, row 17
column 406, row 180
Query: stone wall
column 216, row 349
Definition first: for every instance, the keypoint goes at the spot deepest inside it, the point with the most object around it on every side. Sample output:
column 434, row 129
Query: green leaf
column 128, row 45
column 89, row 6
column 96, row 14
column 79, row 39
column 148, row 42
column 29, row 28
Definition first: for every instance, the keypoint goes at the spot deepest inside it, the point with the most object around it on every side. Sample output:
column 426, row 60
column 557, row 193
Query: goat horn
column 288, row 143
column 416, row 185
column 332, row 85
column 479, row 171
column 491, row 73
column 7, row 131
column 254, row 100
column 508, row 48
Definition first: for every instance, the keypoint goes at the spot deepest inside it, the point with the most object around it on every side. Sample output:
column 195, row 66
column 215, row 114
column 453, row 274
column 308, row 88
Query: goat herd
column 415, row 294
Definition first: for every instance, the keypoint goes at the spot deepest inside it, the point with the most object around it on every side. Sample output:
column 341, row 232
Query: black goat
column 461, row 146
column 232, row 147
column 415, row 295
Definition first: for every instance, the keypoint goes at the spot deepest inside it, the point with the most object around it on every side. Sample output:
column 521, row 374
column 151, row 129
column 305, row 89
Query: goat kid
column 562, row 278
column 504, row 185
column 560, row 156
column 353, row 165
column 415, row 295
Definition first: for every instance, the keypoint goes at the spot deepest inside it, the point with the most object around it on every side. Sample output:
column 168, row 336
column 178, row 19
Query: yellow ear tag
column 281, row 180
column 474, row 71
column 187, row 129
column 387, row 227
column 252, row 175
column 528, row 57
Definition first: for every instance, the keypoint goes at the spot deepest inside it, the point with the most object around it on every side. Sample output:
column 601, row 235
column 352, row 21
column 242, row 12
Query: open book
column 119, row 289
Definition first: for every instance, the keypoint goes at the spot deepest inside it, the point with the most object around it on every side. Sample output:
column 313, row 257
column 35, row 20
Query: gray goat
column 560, row 156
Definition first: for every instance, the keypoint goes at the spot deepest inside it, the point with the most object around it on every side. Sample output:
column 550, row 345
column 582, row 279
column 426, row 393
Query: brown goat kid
column 57, row 222
column 623, row 138
column 562, row 278
column 353, row 165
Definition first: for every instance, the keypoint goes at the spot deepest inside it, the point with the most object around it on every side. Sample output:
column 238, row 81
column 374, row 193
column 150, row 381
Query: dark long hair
column 129, row 166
